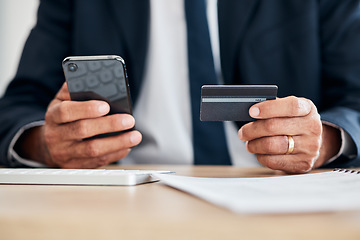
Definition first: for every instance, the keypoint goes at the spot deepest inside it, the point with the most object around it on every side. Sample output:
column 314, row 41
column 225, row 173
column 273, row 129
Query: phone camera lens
column 72, row 67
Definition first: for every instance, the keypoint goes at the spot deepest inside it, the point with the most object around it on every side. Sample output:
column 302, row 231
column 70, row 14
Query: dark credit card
column 232, row 102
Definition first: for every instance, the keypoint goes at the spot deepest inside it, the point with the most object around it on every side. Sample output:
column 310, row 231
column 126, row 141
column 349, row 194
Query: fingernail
column 135, row 137
column 305, row 104
column 103, row 108
column 127, row 122
column 254, row 111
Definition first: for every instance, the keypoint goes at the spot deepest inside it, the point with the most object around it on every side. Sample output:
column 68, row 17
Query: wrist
column 31, row 145
column 331, row 144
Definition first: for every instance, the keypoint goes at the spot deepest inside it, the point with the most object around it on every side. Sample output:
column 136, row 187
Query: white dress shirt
column 163, row 110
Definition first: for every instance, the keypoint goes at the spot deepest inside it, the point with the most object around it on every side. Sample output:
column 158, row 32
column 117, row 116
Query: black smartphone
column 99, row 78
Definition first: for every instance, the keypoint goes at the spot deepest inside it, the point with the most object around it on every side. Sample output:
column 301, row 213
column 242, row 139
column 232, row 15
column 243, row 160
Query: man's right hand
column 59, row 142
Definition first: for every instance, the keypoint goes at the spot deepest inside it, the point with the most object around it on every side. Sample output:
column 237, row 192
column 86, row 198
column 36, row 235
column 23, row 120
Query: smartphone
column 99, row 78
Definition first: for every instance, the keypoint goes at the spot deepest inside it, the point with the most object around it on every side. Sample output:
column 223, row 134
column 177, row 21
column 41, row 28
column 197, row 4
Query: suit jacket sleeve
column 38, row 77
column 340, row 40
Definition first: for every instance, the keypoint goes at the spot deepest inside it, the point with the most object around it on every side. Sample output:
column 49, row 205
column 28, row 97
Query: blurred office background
column 17, row 17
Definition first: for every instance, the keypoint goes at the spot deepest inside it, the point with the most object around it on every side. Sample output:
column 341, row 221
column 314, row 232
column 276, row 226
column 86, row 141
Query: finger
column 102, row 146
column 63, row 93
column 97, row 162
column 299, row 163
column 271, row 145
column 69, row 111
column 281, row 107
column 273, row 127
column 279, row 145
column 91, row 127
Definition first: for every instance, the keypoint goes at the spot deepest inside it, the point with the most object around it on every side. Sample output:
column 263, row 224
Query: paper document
column 318, row 192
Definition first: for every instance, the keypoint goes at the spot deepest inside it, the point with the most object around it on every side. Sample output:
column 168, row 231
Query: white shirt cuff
column 14, row 155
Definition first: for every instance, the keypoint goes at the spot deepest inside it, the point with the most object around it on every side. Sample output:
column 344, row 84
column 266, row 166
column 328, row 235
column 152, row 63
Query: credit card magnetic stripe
column 234, row 99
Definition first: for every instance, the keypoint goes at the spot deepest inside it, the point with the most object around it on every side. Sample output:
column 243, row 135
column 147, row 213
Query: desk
column 154, row 211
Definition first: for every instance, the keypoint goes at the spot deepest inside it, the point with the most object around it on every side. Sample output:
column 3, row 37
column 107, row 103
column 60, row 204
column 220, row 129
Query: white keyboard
column 46, row 176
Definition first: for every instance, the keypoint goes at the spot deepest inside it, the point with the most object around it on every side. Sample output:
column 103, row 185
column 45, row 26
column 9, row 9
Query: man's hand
column 59, row 142
column 267, row 137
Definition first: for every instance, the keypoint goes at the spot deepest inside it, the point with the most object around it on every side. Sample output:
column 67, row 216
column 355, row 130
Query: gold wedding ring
column 291, row 145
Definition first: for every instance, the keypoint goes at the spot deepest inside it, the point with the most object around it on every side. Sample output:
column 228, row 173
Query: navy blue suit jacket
column 309, row 48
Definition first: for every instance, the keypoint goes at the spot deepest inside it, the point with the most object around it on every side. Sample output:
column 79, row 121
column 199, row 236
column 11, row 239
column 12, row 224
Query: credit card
column 232, row 102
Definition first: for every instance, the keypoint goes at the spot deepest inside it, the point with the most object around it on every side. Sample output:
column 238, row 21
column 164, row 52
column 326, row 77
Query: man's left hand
column 314, row 143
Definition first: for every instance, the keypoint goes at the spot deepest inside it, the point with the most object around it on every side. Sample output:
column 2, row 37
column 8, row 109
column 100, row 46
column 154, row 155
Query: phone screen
column 99, row 78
